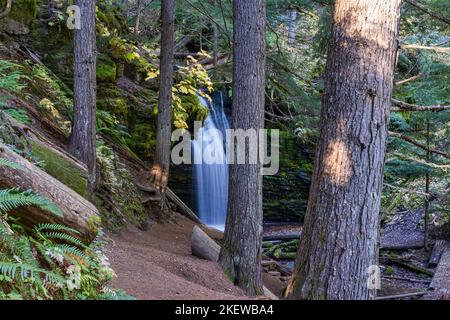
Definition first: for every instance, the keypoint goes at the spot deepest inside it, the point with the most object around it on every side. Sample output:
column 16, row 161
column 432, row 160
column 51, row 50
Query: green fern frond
column 65, row 237
column 55, row 227
column 25, row 251
column 11, row 199
column 68, row 249
column 24, row 271
column 10, row 164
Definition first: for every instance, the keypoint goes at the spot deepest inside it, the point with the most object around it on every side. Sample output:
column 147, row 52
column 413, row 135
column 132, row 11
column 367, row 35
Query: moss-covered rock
column 7, row 133
column 61, row 168
column 106, row 69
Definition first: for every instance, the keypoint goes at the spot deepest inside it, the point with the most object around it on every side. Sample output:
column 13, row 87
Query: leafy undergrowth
column 48, row 261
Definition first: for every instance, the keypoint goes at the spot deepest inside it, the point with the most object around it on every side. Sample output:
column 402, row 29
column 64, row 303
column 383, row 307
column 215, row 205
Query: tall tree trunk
column 82, row 141
column 215, row 40
column 137, row 25
column 339, row 239
column 292, row 34
column 160, row 170
column 241, row 252
column 427, row 191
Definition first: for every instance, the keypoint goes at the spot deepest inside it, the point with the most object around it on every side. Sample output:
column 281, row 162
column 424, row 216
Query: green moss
column 61, row 168
column 94, row 223
column 389, row 271
column 106, row 69
column 24, row 10
column 117, row 196
column 116, row 106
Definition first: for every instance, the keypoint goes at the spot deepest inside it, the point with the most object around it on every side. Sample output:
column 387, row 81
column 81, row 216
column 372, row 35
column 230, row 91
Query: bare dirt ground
column 157, row 264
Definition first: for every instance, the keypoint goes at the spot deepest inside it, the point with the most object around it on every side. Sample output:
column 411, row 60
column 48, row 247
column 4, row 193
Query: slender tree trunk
column 215, row 39
column 82, row 141
column 137, row 26
column 292, row 35
column 160, row 170
column 427, row 191
column 241, row 251
column 339, row 239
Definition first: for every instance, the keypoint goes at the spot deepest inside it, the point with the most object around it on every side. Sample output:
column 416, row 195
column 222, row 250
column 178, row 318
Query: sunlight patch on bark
column 337, row 162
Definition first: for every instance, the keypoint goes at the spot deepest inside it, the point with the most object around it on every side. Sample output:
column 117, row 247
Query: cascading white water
column 210, row 166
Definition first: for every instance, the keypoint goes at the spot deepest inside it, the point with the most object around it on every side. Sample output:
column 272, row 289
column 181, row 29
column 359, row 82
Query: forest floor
column 157, row 264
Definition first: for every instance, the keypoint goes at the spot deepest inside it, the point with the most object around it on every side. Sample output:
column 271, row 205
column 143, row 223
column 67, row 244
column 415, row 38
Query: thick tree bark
column 339, row 238
column 79, row 213
column 160, row 170
column 82, row 140
column 241, row 253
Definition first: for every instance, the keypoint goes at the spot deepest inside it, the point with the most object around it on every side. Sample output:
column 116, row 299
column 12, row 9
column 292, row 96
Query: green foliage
column 10, row 78
column 11, row 199
column 106, row 69
column 122, row 201
column 52, row 87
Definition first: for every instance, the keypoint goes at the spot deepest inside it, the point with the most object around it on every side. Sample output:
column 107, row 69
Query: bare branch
column 406, row 190
column 421, row 7
column 403, row 106
column 425, row 163
column 416, row 46
column 418, row 144
column 400, row 82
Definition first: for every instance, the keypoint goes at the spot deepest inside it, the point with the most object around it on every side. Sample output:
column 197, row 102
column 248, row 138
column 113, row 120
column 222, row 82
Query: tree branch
column 416, row 46
column 418, row 144
column 400, row 82
column 421, row 7
column 403, row 106
column 7, row 10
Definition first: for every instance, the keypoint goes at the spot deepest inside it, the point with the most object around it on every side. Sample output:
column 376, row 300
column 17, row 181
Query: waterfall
column 210, row 167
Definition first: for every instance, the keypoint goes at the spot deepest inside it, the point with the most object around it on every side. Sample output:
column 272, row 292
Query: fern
column 10, row 164
column 11, row 199
column 24, row 271
column 63, row 236
column 55, row 227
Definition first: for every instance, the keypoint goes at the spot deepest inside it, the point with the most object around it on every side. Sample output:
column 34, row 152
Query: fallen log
column 206, row 248
column 290, row 236
column 203, row 246
column 441, row 280
column 409, row 266
column 436, row 253
column 79, row 213
column 403, row 295
column 407, row 279
column 185, row 210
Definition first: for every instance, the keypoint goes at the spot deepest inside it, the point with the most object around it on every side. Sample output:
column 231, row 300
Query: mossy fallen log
column 79, row 213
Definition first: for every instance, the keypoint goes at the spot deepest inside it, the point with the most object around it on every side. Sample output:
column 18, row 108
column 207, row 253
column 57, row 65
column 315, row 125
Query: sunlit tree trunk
column 241, row 251
column 160, row 170
column 339, row 238
column 82, row 141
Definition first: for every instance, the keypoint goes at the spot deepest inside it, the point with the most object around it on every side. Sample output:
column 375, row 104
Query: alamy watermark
column 74, row 19
column 240, row 147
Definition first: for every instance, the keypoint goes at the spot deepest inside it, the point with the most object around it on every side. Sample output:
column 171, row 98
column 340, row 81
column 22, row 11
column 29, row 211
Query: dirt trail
column 157, row 264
